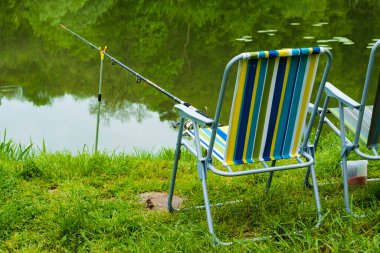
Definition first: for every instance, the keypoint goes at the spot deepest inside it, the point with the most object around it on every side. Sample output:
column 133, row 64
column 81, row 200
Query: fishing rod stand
column 102, row 53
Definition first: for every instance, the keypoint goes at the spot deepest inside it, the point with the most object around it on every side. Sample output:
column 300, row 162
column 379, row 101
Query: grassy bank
column 74, row 203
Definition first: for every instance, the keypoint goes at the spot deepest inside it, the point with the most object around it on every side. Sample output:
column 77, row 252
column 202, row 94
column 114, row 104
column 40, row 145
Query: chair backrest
column 373, row 139
column 269, row 108
column 374, row 130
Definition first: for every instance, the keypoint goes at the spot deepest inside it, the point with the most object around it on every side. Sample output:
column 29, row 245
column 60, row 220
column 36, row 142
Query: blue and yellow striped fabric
column 220, row 140
column 351, row 120
column 269, row 107
column 272, row 93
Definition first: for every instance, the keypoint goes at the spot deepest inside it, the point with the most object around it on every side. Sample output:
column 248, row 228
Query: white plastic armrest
column 334, row 92
column 190, row 113
column 310, row 108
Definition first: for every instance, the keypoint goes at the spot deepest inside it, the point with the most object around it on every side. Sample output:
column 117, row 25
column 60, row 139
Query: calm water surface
column 67, row 124
column 49, row 79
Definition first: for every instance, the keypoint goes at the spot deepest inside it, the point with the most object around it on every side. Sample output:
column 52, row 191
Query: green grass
column 89, row 203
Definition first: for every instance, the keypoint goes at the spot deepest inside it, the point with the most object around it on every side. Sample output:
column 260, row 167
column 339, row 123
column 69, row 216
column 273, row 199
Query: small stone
column 159, row 201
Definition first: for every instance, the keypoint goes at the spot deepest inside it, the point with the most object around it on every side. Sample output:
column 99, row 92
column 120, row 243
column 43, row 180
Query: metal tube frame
column 205, row 163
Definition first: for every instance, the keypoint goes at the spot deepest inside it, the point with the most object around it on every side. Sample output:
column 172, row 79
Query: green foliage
column 181, row 45
column 14, row 151
column 30, row 171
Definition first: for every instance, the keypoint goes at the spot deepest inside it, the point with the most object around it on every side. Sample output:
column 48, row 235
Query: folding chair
column 363, row 121
column 267, row 119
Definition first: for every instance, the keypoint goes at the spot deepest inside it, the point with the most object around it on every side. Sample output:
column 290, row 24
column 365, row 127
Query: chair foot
column 351, row 213
column 319, row 221
column 171, row 209
column 217, row 242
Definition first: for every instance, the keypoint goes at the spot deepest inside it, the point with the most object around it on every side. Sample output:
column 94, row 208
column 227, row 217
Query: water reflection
column 181, row 45
column 66, row 124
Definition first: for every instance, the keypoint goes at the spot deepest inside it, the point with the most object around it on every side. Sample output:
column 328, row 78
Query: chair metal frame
column 347, row 146
column 205, row 162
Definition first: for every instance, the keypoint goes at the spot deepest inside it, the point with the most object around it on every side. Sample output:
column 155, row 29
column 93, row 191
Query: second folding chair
column 361, row 119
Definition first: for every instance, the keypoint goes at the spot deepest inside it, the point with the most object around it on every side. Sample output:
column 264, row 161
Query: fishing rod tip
column 61, row 25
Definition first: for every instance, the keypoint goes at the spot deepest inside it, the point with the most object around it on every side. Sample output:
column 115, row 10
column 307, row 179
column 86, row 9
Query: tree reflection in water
column 181, row 45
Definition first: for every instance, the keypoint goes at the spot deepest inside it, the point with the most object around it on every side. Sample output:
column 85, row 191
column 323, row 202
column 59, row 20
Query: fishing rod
column 139, row 77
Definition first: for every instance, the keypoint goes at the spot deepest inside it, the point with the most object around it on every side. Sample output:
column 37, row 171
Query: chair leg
column 207, row 206
column 320, row 123
column 345, row 185
column 344, row 154
column 270, row 177
column 316, row 195
column 175, row 165
column 314, row 185
column 210, row 224
column 306, row 182
column 317, row 135
column 269, row 181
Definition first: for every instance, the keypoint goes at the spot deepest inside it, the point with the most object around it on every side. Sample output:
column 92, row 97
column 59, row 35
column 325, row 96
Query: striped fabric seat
column 351, row 120
column 370, row 130
column 269, row 107
column 220, row 140
column 271, row 97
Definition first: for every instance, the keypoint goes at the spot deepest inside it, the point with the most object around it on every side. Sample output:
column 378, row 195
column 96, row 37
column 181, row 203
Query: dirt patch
column 159, row 200
column 53, row 189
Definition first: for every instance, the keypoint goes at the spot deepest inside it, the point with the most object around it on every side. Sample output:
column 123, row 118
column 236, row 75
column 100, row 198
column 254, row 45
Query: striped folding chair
column 362, row 120
column 267, row 120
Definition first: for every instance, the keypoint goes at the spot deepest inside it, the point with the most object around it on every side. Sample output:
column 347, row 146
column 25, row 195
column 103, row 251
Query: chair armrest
column 334, row 92
column 310, row 108
column 189, row 113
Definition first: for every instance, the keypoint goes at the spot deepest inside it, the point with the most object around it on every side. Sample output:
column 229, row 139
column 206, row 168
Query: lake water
column 49, row 79
column 66, row 124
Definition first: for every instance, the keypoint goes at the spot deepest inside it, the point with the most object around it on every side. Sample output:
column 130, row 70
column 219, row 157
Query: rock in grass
column 159, row 200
